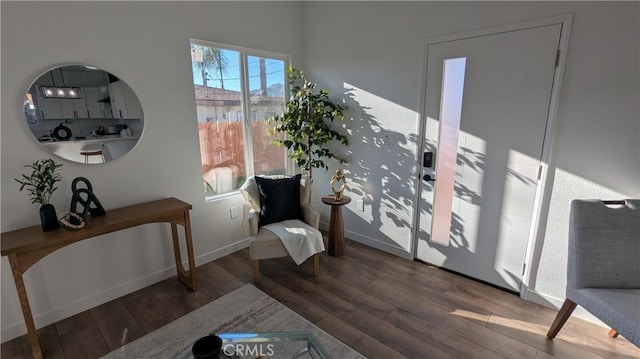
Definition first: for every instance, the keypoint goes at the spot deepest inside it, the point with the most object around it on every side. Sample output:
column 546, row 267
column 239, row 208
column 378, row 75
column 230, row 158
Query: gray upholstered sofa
column 603, row 274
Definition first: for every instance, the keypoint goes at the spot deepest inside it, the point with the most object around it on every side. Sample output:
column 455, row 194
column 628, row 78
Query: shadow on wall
column 382, row 170
column 379, row 177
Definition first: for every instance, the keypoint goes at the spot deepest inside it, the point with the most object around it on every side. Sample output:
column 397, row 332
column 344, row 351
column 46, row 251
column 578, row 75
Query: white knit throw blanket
column 300, row 239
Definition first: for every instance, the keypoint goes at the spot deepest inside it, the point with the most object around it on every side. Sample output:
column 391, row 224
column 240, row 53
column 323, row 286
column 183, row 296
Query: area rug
column 246, row 309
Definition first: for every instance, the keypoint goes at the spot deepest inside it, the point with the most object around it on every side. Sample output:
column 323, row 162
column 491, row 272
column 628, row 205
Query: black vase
column 48, row 217
column 207, row 347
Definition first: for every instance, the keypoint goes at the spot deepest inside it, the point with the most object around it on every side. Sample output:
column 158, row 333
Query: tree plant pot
column 49, row 218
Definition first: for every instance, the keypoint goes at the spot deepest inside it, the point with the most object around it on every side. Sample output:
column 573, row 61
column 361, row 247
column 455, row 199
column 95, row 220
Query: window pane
column 216, row 80
column 446, row 162
column 266, row 85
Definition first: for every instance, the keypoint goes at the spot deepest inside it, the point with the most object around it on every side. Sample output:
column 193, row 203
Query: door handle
column 428, row 178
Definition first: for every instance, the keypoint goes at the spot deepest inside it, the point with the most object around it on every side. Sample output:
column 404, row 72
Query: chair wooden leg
column 256, row 271
column 564, row 314
column 613, row 333
column 316, row 264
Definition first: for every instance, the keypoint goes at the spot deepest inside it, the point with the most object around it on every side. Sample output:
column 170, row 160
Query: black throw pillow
column 279, row 199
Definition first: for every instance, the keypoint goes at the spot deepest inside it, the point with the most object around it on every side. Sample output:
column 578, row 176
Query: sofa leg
column 564, row 314
column 613, row 333
column 256, row 271
column 316, row 264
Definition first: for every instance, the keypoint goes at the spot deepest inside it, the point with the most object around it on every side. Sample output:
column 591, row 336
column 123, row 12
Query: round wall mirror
column 83, row 114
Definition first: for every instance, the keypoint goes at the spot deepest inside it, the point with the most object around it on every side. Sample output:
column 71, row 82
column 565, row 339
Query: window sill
column 220, row 197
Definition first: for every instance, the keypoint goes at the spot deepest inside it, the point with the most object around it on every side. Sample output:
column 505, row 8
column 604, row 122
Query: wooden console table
column 26, row 246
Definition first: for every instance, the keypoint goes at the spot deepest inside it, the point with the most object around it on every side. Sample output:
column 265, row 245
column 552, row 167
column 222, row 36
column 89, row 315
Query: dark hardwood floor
column 379, row 304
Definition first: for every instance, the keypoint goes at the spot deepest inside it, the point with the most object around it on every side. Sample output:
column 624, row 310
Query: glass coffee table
column 267, row 345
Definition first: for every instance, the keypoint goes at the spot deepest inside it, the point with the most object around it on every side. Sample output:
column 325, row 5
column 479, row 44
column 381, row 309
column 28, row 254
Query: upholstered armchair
column 276, row 207
column 603, row 267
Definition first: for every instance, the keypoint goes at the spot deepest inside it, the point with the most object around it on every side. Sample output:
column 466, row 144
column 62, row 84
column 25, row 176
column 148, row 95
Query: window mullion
column 289, row 163
column 245, row 99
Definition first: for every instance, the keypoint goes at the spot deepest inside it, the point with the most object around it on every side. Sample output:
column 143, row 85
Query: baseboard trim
column 221, row 252
column 15, row 330
column 372, row 242
column 555, row 303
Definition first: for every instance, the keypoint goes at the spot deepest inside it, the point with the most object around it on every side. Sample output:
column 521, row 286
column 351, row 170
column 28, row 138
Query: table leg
column 563, row 314
column 316, row 265
column 187, row 277
column 336, row 232
column 26, row 309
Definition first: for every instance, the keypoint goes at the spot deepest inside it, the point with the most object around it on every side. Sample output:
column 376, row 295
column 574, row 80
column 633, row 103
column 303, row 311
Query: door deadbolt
column 427, row 159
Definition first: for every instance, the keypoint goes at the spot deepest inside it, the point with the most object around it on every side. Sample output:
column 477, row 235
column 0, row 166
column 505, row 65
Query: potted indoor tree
column 41, row 184
column 306, row 124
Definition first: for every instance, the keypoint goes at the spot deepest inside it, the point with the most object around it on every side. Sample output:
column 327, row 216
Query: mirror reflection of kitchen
column 83, row 114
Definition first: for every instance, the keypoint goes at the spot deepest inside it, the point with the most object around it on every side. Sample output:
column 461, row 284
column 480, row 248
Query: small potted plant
column 41, row 184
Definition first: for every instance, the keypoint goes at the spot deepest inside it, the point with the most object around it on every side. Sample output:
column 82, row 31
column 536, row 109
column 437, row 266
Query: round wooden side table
column 336, row 225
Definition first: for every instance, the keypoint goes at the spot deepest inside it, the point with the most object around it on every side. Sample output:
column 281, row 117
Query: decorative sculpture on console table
column 75, row 218
column 338, row 177
column 87, row 202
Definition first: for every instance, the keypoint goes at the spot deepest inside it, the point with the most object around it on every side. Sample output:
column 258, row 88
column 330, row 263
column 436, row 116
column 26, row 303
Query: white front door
column 487, row 105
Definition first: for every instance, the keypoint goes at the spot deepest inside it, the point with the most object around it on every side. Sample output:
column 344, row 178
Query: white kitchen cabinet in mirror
column 74, row 109
column 124, row 102
column 48, row 108
column 91, row 95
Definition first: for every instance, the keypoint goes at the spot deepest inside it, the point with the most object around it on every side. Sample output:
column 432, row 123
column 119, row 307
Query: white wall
column 372, row 48
column 147, row 45
column 375, row 49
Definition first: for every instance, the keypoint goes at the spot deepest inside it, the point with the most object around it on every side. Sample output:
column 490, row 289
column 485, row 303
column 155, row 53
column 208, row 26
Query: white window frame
column 245, row 100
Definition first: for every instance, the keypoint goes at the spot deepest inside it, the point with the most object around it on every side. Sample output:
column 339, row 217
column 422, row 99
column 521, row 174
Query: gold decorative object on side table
column 338, row 177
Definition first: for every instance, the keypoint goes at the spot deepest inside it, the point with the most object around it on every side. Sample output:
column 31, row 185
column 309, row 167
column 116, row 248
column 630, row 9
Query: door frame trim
column 536, row 229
